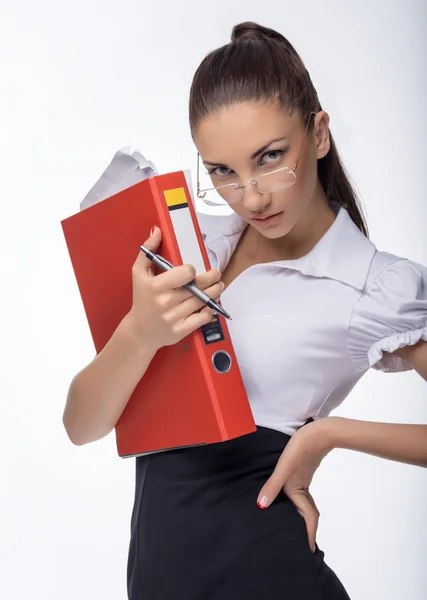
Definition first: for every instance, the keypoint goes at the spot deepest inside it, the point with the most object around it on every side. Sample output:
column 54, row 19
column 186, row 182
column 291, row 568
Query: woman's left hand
column 295, row 469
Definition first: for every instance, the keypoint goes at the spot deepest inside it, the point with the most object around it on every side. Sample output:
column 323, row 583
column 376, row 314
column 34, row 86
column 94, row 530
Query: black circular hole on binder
column 221, row 361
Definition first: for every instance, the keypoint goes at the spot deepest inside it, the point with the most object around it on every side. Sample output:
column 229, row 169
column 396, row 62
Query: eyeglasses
column 263, row 183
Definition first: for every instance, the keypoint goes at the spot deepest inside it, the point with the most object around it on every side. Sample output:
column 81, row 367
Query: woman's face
column 246, row 140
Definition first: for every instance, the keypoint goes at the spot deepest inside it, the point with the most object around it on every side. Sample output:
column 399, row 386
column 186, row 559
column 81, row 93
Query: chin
column 277, row 233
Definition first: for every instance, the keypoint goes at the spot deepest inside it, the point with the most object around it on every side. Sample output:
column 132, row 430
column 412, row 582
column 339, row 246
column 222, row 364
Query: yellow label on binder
column 176, row 197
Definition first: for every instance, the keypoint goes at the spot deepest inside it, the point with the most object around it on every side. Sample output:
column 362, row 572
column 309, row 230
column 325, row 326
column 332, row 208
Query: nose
column 254, row 201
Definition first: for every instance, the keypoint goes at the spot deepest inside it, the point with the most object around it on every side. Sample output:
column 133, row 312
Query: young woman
column 315, row 305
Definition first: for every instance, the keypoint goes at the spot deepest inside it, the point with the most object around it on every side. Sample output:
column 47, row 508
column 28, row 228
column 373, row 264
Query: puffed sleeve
column 391, row 314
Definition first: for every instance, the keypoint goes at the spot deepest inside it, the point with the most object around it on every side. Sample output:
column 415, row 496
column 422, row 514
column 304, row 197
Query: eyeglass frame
column 253, row 181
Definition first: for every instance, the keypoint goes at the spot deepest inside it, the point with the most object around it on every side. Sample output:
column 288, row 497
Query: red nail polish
column 263, row 502
column 153, row 229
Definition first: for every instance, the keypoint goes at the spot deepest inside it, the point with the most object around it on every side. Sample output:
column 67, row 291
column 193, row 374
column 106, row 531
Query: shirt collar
column 343, row 253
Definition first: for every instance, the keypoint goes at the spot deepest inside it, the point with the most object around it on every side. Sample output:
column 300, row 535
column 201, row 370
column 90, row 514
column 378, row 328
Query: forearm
column 99, row 393
column 399, row 442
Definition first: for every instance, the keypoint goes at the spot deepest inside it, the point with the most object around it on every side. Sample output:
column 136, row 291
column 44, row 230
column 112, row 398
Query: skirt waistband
column 259, row 449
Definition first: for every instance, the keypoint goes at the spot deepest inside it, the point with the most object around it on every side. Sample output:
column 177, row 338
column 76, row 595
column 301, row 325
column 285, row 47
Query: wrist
column 344, row 433
column 332, row 429
column 130, row 335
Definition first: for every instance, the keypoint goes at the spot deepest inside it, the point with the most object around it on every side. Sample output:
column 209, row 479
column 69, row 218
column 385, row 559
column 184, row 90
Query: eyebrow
column 254, row 155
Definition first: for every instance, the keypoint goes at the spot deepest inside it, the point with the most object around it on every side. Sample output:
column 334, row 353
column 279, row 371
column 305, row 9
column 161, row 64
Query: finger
column 271, row 489
column 142, row 263
column 175, row 278
column 202, row 280
column 205, row 282
column 190, row 305
column 313, row 504
column 194, row 321
column 277, row 480
column 307, row 508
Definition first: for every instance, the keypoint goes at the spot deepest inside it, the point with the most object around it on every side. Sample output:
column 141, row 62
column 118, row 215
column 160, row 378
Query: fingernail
column 263, row 503
column 314, row 549
column 222, row 284
column 153, row 229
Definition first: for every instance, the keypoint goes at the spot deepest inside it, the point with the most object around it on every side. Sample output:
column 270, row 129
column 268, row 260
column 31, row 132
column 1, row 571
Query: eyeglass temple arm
column 303, row 141
column 198, row 173
column 198, row 190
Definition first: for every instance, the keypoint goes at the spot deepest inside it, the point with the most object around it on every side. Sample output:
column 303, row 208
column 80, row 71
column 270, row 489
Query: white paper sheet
column 126, row 169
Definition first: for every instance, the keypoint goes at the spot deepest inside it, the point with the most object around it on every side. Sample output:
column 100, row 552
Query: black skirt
column 197, row 533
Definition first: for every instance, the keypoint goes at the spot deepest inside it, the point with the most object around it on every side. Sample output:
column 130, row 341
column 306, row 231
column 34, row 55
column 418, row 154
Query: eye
column 271, row 157
column 219, row 171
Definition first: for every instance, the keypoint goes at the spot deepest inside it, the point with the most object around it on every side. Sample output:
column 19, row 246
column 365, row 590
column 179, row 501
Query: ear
column 321, row 132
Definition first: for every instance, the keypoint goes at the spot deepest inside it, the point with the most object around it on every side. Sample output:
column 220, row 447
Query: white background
column 79, row 80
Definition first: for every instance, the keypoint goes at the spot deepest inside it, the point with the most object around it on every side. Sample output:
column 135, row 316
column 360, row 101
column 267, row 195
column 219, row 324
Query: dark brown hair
column 260, row 65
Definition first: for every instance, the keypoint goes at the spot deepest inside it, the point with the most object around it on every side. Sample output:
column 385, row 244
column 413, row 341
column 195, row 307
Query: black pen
column 165, row 265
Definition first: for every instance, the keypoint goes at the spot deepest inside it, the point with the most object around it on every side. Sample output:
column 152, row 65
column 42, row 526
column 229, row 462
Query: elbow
column 81, row 425
column 75, row 436
column 79, row 435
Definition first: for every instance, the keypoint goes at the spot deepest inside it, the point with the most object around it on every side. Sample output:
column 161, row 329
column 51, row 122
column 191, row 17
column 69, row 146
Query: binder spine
column 183, row 227
column 208, row 375
column 188, row 244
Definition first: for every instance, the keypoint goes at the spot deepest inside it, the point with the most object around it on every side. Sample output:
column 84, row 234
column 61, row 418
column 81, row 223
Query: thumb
column 154, row 240
column 151, row 243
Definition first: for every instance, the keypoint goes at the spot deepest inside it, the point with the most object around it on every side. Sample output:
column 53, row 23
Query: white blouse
column 305, row 331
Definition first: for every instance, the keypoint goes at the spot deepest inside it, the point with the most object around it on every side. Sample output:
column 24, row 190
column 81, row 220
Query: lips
column 264, row 217
column 266, row 221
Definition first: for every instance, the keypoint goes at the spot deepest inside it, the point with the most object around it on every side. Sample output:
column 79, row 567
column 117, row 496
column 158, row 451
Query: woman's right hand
column 163, row 312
